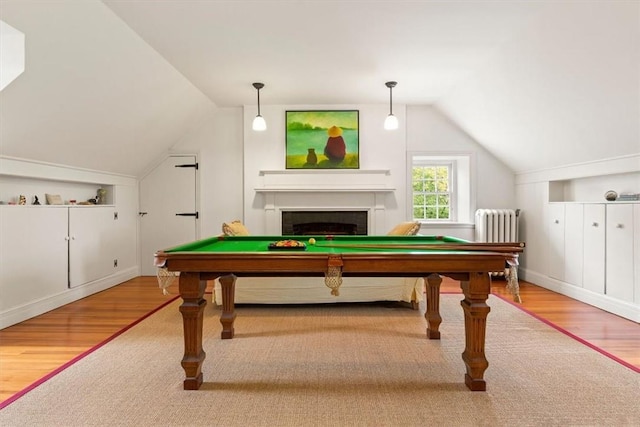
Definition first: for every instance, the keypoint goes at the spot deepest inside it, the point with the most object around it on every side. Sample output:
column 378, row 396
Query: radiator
column 497, row 225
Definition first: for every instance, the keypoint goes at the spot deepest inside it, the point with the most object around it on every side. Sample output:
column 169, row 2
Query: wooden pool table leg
column 192, row 309
column 476, row 291
column 432, row 314
column 228, row 316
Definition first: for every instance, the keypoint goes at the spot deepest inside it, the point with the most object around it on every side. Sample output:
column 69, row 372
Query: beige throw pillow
column 409, row 228
column 235, row 228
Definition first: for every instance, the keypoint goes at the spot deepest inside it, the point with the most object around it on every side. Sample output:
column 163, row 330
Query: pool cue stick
column 488, row 247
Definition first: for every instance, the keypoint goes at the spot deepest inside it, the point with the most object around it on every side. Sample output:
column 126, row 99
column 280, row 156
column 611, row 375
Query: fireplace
column 333, row 192
column 296, row 223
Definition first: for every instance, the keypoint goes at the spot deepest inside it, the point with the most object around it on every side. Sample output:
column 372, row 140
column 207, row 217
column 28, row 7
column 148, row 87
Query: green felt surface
column 261, row 243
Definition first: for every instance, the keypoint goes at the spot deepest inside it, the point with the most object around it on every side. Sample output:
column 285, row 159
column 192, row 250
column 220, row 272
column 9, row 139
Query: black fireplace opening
column 301, row 223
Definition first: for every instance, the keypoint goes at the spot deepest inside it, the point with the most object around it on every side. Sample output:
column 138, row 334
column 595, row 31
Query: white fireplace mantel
column 325, row 189
column 324, row 181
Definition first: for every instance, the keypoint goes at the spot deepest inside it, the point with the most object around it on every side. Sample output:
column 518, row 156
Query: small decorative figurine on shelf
column 101, row 196
column 35, row 200
column 23, row 200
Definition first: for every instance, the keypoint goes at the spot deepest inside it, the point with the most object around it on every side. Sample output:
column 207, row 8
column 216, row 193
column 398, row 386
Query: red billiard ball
column 329, row 237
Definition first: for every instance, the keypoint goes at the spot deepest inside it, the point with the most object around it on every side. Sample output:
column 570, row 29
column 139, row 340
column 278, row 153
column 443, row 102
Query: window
column 432, row 191
column 440, row 187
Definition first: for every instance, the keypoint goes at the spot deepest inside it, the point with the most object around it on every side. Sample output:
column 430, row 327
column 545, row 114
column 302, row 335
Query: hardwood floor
column 36, row 347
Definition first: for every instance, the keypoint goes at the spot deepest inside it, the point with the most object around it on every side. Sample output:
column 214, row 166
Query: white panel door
column 168, row 190
column 91, row 244
column 555, row 234
column 594, row 247
column 619, row 267
column 573, row 243
column 33, row 254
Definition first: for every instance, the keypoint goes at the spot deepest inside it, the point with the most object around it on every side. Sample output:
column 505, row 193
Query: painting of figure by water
column 322, row 139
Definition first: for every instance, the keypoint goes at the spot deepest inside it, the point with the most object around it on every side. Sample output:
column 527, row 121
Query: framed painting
column 322, row 139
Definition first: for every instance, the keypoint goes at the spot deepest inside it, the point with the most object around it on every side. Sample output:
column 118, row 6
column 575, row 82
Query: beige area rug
column 337, row 365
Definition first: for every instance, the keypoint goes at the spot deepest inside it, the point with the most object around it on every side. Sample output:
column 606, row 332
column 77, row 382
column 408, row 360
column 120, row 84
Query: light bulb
column 260, row 124
column 391, row 122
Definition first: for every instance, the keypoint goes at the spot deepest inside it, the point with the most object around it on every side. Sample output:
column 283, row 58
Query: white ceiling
column 111, row 85
column 326, row 52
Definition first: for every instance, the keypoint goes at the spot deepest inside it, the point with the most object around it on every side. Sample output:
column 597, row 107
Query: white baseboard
column 628, row 310
column 35, row 308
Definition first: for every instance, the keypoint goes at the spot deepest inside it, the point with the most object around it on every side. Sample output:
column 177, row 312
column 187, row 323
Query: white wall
column 218, row 144
column 379, row 149
column 231, row 156
column 430, row 130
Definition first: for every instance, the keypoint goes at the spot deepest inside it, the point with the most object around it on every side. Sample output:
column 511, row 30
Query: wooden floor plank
column 34, row 348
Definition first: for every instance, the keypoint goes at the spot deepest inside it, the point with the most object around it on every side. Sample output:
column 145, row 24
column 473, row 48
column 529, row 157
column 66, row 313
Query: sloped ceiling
column 565, row 91
column 325, row 52
column 93, row 95
column 112, row 84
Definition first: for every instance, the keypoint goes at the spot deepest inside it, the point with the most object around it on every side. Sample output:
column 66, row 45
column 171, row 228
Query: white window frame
column 422, row 162
column 462, row 183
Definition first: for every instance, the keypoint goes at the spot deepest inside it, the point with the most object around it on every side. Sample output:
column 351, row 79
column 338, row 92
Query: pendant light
column 391, row 121
column 258, row 123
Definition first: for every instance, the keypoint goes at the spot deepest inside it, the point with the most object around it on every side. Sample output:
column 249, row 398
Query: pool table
column 404, row 256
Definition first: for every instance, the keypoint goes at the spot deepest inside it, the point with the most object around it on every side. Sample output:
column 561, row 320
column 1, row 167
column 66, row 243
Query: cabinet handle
column 67, row 238
column 595, row 224
column 620, row 226
column 557, row 221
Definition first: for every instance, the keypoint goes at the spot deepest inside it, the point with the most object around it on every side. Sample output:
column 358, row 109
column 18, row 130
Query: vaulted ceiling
column 111, row 84
column 325, row 52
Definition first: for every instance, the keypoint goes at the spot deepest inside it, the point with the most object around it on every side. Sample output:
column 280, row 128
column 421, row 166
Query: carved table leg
column 192, row 309
column 228, row 285
column 433, row 306
column 476, row 292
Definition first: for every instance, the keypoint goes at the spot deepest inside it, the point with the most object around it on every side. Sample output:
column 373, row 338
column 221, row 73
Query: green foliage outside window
column 431, row 192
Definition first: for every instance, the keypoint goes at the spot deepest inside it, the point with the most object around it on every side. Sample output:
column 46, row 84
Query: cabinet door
column 33, row 249
column 573, row 243
column 555, row 233
column 636, row 252
column 126, row 227
column 594, row 247
column 619, row 252
column 91, row 244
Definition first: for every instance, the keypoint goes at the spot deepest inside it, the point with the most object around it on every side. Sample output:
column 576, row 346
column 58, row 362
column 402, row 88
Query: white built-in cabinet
column 51, row 255
column 52, row 248
column 556, row 251
column 593, row 278
column 595, row 247
column 636, row 252
column 33, row 254
column 92, row 248
column 574, row 243
column 619, row 252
